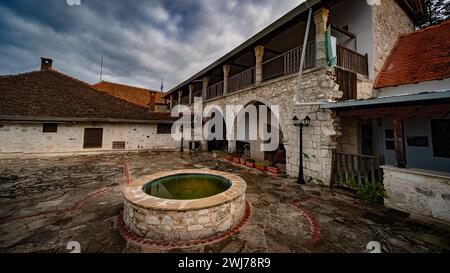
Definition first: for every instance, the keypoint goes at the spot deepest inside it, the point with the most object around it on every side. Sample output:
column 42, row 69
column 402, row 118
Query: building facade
column 47, row 112
column 265, row 70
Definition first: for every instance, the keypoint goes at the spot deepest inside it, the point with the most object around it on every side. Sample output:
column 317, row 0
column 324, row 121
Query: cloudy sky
column 141, row 40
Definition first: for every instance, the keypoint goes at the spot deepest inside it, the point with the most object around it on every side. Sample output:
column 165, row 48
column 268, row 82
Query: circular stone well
column 180, row 220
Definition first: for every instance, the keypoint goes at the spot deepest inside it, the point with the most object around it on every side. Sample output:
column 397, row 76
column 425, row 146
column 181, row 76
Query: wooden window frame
column 86, row 144
column 49, row 127
column 161, row 131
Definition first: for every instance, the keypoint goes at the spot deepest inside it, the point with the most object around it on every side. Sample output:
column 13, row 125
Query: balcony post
column 226, row 72
column 191, row 91
column 259, row 54
column 180, row 93
column 171, row 102
column 205, row 87
column 320, row 19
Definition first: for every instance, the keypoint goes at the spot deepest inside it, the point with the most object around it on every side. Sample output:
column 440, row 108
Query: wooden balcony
column 352, row 60
column 214, row 91
column 289, row 62
column 242, row 80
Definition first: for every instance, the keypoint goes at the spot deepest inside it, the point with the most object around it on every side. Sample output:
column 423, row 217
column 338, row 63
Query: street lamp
column 298, row 123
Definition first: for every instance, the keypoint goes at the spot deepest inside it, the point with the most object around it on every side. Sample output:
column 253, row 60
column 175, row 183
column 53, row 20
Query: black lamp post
column 298, row 123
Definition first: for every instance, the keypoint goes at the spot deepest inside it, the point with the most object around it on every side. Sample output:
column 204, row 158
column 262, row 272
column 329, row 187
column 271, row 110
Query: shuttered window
column 164, row 129
column 93, row 137
column 49, row 127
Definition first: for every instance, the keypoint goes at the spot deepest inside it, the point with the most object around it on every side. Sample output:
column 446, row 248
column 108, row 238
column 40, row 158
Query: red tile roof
column 420, row 56
column 136, row 95
column 51, row 94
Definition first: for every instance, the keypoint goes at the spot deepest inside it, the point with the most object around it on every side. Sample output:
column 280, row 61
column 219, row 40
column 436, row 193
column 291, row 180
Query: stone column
column 191, row 91
column 205, row 87
column 226, row 72
column 259, row 54
column 320, row 19
column 180, row 93
column 171, row 102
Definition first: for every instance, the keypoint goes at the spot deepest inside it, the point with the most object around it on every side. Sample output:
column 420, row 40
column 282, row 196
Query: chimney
column 46, row 63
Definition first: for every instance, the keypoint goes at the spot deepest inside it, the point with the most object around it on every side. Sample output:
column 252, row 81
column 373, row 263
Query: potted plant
column 217, row 153
column 273, row 169
column 250, row 163
column 261, row 165
column 236, row 159
column 242, row 160
column 229, row 157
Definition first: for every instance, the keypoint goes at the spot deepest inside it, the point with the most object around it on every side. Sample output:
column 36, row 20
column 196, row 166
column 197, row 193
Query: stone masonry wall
column 18, row 138
column 319, row 139
column 416, row 191
column 183, row 225
column 389, row 21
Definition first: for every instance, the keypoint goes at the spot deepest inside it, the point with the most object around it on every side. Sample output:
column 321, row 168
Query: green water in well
column 187, row 186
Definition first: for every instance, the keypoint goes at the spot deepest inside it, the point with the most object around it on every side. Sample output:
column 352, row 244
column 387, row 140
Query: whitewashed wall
column 29, row 138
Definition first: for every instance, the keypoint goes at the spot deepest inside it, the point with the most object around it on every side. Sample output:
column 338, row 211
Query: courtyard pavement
column 47, row 202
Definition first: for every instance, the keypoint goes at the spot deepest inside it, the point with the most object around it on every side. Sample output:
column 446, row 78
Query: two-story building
column 265, row 70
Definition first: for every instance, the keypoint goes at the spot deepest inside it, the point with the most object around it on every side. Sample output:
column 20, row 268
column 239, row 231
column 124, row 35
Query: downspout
column 302, row 59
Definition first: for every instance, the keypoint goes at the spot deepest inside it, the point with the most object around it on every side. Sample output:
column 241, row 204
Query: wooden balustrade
column 214, row 91
column 289, row 62
column 242, row 80
column 352, row 60
column 350, row 170
column 347, row 81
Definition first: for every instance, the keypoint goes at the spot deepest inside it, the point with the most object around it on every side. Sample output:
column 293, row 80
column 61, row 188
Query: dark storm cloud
column 140, row 40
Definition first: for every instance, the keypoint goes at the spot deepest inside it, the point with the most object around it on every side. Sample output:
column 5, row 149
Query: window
column 118, row 145
column 440, row 133
column 93, row 137
column 389, row 137
column 50, row 128
column 164, row 128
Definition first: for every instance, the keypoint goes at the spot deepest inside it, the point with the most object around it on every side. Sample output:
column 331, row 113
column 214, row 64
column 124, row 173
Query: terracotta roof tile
column 52, row 94
column 422, row 55
column 136, row 95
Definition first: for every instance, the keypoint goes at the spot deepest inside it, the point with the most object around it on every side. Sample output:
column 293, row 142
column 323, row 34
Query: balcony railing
column 353, row 61
column 214, row 91
column 289, row 62
column 185, row 100
column 242, row 80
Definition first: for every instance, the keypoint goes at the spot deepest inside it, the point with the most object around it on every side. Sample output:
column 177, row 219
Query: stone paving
column 47, row 202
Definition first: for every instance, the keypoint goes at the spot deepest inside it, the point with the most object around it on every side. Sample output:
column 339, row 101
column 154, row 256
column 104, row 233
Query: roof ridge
column 425, row 28
column 126, row 85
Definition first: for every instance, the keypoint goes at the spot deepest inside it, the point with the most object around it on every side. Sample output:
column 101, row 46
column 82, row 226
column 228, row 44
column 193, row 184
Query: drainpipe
column 302, row 59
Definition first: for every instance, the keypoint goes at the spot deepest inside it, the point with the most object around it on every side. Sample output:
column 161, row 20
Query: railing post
column 180, row 93
column 259, row 54
column 226, row 72
column 191, row 91
column 171, row 102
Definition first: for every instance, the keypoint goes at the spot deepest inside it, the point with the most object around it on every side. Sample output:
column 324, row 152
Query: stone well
column 178, row 220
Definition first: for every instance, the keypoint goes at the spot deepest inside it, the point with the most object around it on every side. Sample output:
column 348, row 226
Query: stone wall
column 364, row 87
column 388, row 22
column 418, row 191
column 319, row 138
column 21, row 138
column 183, row 225
column 349, row 137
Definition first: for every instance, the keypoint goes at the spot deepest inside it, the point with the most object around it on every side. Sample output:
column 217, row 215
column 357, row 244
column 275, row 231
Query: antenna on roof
column 101, row 68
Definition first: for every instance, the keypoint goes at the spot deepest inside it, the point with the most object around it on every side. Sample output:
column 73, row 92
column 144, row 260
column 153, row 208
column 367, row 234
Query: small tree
column 436, row 11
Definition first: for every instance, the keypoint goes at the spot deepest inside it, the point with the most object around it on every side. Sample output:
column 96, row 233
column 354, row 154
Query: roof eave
column 65, row 119
column 266, row 31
